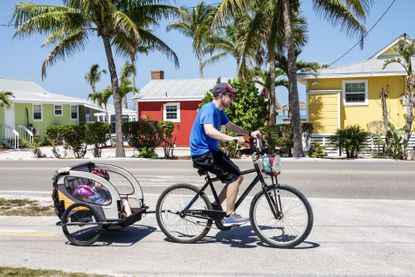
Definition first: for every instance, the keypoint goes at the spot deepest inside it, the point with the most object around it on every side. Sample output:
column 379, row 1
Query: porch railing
column 11, row 137
column 25, row 133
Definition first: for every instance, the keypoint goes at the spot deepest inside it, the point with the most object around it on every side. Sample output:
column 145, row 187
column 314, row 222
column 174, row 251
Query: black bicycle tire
column 307, row 205
column 160, row 221
column 65, row 229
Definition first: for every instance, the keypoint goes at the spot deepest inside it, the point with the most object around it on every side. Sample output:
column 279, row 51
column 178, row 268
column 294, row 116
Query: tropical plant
column 121, row 25
column 406, row 51
column 397, row 145
column 248, row 108
column 96, row 135
column 127, row 86
column 346, row 14
column 94, row 75
column 54, row 136
column 317, row 150
column 227, row 41
column 195, row 24
column 165, row 131
column 5, row 99
column 101, row 99
column 351, row 139
column 143, row 135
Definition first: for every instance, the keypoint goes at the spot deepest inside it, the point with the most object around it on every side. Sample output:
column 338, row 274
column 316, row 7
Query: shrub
column 54, row 136
column 282, row 136
column 395, row 143
column 96, row 135
column 142, row 135
column 351, row 139
column 165, row 131
column 74, row 139
column 317, row 150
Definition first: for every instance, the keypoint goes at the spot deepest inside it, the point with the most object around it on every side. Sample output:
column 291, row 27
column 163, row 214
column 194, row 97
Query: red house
column 174, row 100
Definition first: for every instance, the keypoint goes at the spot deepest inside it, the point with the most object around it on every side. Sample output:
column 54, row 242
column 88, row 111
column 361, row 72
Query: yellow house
column 350, row 94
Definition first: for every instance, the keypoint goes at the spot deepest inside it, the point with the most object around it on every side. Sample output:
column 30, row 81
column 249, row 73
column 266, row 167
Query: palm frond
column 124, row 23
column 65, row 48
column 338, row 14
column 213, row 59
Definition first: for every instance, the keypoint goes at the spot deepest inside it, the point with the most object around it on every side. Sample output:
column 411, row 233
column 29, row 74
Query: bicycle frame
column 274, row 202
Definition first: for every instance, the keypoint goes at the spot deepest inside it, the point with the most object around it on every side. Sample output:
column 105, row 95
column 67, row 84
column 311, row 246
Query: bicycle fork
column 273, row 197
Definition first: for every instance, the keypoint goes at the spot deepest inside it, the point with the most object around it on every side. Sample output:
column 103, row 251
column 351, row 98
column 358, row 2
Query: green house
column 33, row 109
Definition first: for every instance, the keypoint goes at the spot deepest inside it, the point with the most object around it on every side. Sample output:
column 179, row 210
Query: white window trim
column 177, row 104
column 33, row 112
column 54, row 110
column 366, row 103
column 77, row 112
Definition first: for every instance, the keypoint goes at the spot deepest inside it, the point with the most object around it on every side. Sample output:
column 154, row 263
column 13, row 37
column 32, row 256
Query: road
column 364, row 225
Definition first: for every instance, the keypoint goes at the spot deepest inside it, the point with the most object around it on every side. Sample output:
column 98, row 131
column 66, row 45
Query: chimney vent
column 157, row 74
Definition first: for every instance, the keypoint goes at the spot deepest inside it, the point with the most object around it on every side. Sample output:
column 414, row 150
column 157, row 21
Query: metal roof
column 168, row 89
column 370, row 67
column 29, row 91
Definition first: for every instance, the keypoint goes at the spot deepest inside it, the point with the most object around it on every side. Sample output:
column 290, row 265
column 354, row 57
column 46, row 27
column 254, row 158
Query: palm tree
column 348, row 14
column 5, row 99
column 265, row 31
column 195, row 24
column 101, row 99
column 406, row 52
column 282, row 64
column 94, row 75
column 127, row 86
column 227, row 41
column 121, row 25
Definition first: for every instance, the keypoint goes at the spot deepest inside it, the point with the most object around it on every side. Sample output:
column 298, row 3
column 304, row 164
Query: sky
column 22, row 58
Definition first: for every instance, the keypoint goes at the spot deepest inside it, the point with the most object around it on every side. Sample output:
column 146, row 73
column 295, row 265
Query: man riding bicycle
column 204, row 148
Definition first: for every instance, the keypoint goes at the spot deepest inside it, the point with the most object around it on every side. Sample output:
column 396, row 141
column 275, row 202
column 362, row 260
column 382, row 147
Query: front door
column 9, row 120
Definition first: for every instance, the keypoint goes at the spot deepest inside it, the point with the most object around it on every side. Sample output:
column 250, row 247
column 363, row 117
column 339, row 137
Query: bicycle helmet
column 83, row 190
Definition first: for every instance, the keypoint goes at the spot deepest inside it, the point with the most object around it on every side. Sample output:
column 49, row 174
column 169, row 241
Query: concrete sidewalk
column 27, row 154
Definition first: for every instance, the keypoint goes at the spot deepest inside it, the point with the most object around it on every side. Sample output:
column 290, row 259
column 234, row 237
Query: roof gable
column 390, row 50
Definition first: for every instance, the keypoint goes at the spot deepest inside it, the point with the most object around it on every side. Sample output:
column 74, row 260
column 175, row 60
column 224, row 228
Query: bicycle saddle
column 201, row 172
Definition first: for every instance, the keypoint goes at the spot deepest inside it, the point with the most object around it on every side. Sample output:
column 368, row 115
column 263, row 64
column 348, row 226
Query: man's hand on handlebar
column 256, row 134
column 239, row 140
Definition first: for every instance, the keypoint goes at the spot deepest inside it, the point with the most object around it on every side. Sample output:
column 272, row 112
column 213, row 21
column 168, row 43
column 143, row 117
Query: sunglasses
column 231, row 95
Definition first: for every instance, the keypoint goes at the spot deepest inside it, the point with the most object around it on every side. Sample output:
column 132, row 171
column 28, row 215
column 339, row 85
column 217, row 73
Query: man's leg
column 231, row 195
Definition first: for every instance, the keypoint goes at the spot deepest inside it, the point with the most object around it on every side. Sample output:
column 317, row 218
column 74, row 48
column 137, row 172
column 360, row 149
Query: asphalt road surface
column 364, row 225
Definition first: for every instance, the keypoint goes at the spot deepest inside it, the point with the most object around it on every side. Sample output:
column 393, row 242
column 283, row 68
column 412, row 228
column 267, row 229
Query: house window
column 355, row 92
column 74, row 112
column 171, row 112
column 58, row 110
column 37, row 112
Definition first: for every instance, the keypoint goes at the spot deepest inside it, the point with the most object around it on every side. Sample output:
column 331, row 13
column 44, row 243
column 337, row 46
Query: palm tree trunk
column 409, row 117
column 126, row 102
column 199, row 57
column 271, row 57
column 119, row 150
column 292, row 78
column 238, row 64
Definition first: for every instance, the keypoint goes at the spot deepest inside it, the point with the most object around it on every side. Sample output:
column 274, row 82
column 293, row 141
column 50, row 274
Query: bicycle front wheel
column 282, row 217
column 176, row 223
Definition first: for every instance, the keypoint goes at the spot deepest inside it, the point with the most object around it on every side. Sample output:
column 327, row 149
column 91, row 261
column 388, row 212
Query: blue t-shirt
column 200, row 143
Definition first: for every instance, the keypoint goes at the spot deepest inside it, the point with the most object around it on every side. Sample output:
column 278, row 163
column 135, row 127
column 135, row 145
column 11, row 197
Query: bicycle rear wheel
column 289, row 225
column 80, row 224
column 179, row 226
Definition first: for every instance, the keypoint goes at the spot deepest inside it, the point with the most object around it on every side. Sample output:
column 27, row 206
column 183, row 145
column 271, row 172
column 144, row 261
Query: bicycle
column 280, row 215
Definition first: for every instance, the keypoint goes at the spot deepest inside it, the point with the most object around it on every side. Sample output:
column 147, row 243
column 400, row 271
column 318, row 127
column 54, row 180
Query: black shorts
column 219, row 164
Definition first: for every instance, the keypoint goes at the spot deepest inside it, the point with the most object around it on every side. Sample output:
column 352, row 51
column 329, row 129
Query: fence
column 371, row 146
